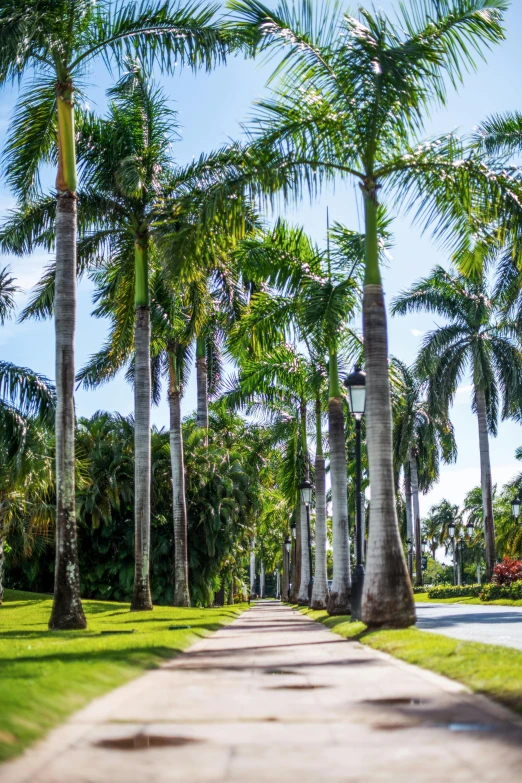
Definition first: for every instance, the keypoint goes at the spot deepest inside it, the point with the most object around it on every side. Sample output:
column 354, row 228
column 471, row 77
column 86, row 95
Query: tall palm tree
column 352, row 100
column 475, row 339
column 55, row 42
column 421, row 437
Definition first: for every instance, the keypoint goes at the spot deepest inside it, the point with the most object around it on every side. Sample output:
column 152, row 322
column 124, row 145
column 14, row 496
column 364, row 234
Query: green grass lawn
column 485, row 668
column 45, row 676
column 422, row 598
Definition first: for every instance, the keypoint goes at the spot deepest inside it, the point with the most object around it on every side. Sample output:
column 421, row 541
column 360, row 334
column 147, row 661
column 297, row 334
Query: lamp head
column 306, row 489
column 356, row 385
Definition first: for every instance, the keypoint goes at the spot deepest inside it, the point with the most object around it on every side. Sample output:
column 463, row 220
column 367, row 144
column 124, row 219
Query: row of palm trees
column 350, row 101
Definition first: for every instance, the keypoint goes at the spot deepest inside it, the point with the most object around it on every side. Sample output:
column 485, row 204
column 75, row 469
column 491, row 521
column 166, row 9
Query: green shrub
column 459, row 591
column 421, row 588
column 493, row 592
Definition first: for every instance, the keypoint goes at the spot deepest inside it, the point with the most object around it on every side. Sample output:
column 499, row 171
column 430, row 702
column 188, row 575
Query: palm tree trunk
column 304, row 572
column 416, row 517
column 141, row 599
column 409, row 525
column 486, row 483
column 67, row 612
column 253, row 568
column 202, row 384
column 262, row 579
column 320, row 588
column 179, row 506
column 2, row 566
column 387, row 595
column 295, row 564
column 302, row 595
column 340, row 594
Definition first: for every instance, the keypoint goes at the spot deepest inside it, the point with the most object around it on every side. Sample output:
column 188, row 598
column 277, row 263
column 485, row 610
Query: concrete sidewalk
column 275, row 696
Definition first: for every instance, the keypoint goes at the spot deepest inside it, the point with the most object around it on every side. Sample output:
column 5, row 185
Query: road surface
column 488, row 624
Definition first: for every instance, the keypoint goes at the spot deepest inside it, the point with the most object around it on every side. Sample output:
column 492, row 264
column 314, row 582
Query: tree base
column 65, row 618
column 397, row 613
column 141, row 600
column 318, row 603
column 339, row 603
column 182, row 599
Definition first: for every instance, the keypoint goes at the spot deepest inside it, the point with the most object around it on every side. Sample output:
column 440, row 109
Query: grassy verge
column 489, row 669
column 45, row 676
column 422, row 598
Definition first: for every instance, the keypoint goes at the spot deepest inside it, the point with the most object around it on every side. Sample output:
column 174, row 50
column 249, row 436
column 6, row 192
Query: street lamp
column 409, row 546
column 515, row 506
column 470, row 528
column 356, row 385
column 306, row 489
column 451, row 530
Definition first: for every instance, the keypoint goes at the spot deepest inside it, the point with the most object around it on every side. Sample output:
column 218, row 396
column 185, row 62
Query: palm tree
column 477, row 338
column 353, row 98
column 55, row 42
column 421, row 437
column 431, row 529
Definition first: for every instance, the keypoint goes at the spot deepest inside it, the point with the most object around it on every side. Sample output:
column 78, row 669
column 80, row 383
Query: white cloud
column 417, row 332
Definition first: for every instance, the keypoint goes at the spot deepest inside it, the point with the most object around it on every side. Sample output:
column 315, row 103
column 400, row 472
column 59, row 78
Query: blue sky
column 211, row 108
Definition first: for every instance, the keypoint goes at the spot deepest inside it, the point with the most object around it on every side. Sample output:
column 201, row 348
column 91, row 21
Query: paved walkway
column 276, row 697
column 488, row 624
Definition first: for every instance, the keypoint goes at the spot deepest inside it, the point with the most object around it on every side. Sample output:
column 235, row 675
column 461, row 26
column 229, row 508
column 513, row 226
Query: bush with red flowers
column 508, row 571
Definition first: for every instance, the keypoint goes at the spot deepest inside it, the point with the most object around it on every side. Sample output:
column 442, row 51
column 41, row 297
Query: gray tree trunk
column 409, row 523
column 141, row 599
column 67, row 612
column 302, row 595
column 181, row 580
column 297, row 555
column 202, row 393
column 416, row 517
column 262, row 579
column 340, row 594
column 253, row 569
column 387, row 595
column 486, row 483
column 2, row 566
column 320, row 588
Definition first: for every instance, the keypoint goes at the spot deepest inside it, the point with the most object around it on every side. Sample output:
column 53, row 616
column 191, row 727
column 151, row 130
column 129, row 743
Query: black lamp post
column 515, row 507
column 286, row 586
column 356, row 385
column 306, row 488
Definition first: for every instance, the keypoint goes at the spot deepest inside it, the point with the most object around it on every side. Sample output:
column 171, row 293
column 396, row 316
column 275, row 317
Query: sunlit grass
column 45, row 676
column 485, row 668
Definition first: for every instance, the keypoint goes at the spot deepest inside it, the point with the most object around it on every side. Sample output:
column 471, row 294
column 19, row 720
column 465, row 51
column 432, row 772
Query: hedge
column 459, row 591
column 493, row 592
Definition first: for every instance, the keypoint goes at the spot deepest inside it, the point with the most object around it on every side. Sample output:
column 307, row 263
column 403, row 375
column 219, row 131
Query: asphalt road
column 488, row 624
